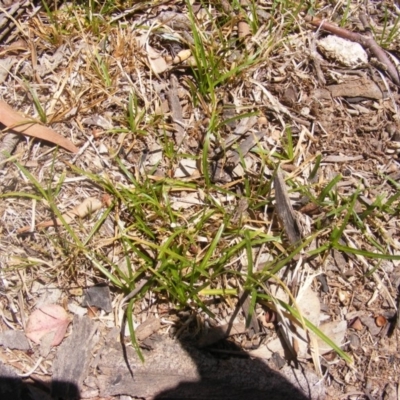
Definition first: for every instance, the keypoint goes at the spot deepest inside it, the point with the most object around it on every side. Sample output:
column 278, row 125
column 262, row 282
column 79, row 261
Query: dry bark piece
column 370, row 323
column 309, row 307
column 14, row 121
column 147, row 328
column 316, row 58
column 186, row 201
column 338, row 159
column 244, row 147
column 98, row 296
column 5, row 66
column 357, row 324
column 72, row 361
column 357, row 88
column 14, row 340
column 156, row 60
column 7, row 23
column 176, row 110
column 336, row 331
column 187, row 167
column 174, row 20
column 284, row 209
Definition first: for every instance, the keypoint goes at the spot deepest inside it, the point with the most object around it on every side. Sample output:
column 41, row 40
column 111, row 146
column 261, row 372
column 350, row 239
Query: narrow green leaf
column 329, row 187
column 365, row 253
column 210, row 251
column 314, row 171
column 129, row 314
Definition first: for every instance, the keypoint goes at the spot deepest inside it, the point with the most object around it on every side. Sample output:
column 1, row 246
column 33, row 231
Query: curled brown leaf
column 15, row 122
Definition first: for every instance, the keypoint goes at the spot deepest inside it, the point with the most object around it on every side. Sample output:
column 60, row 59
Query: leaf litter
column 181, row 115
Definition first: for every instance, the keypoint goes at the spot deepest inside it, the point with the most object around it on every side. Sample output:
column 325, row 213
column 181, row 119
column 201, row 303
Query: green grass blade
column 328, row 188
column 135, row 344
column 365, row 253
column 210, row 251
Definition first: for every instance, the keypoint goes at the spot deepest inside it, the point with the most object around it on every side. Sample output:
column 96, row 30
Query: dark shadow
column 227, row 372
column 12, row 387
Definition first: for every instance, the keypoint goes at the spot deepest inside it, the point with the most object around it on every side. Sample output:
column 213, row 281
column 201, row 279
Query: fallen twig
column 368, row 42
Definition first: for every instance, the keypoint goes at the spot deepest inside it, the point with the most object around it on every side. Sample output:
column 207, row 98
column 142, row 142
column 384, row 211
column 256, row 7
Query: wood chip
column 176, row 109
column 150, row 326
column 284, row 209
column 14, row 340
column 98, row 296
column 336, row 159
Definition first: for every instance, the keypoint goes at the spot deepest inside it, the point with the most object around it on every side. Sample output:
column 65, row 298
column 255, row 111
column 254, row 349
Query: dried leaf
column 86, row 207
column 156, row 61
column 310, row 307
column 13, row 120
column 336, row 331
column 309, row 304
column 82, row 210
column 243, row 29
column 183, row 202
column 187, row 167
column 49, row 318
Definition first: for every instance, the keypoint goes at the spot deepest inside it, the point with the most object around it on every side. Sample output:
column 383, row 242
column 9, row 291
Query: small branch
column 367, row 42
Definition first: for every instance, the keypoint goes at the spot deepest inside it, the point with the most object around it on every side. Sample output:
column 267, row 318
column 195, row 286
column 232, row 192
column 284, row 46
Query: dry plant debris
column 233, row 189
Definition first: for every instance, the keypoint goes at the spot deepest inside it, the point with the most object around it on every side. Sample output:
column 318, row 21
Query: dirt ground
column 297, row 105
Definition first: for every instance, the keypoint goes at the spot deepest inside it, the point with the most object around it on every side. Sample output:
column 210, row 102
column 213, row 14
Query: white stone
column 349, row 54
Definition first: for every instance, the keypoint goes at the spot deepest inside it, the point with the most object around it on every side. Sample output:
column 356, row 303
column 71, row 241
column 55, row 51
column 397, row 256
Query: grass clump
column 168, row 236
